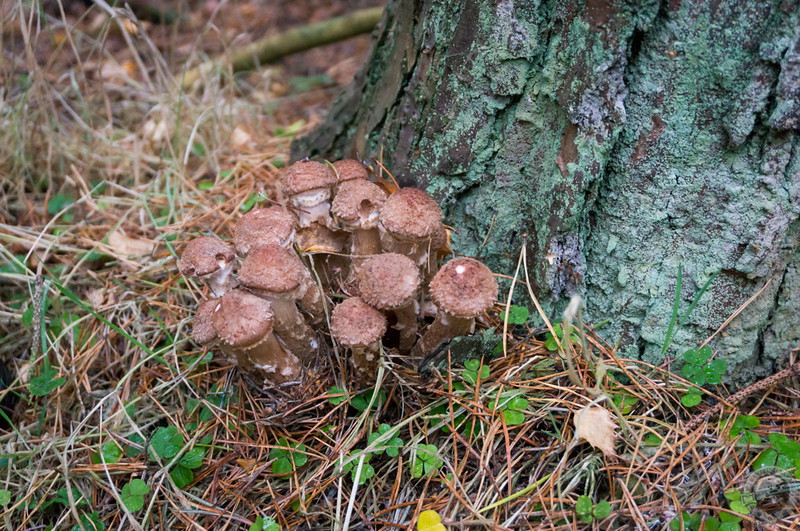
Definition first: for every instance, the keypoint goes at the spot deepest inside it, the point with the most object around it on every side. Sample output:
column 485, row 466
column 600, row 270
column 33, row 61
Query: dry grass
column 105, row 172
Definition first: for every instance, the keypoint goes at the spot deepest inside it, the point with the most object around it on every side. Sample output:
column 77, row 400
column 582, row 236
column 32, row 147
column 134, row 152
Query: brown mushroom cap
column 260, row 226
column 205, row 255
column 308, row 175
column 271, row 268
column 357, row 201
column 411, row 213
column 241, row 319
column 357, row 324
column 349, row 169
column 387, row 281
column 203, row 331
column 464, row 287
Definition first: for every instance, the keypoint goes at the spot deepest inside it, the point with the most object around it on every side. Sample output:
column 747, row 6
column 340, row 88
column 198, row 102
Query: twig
column 788, row 372
column 295, row 40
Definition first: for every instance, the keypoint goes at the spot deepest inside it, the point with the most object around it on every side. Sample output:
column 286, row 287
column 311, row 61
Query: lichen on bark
column 617, row 140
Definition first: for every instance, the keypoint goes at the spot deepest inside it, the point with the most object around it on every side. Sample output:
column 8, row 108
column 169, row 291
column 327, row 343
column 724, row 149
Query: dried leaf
column 157, row 131
column 319, row 239
column 126, row 246
column 241, row 138
column 595, row 426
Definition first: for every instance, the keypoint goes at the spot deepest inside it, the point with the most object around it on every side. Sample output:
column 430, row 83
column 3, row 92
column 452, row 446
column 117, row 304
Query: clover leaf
column 338, row 395
column 133, row 494
column 287, row 460
column 392, row 446
column 474, row 369
column 166, row 443
column 366, row 472
column 426, row 462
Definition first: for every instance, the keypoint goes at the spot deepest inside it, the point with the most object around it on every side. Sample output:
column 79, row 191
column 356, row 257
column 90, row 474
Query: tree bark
column 617, row 140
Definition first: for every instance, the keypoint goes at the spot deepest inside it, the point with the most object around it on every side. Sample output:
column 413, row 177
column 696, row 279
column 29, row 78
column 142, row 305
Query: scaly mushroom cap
column 203, row 331
column 411, row 213
column 464, row 287
column 242, row 320
column 271, row 268
column 205, row 255
column 308, row 175
column 358, row 203
column 354, row 323
column 388, row 281
column 261, row 226
column 349, row 169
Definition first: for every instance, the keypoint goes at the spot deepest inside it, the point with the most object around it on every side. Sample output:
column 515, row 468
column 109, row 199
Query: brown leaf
column 241, row 138
column 126, row 246
column 319, row 239
column 595, row 426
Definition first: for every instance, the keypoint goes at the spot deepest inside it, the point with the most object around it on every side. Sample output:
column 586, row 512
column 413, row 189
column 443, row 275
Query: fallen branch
column 270, row 49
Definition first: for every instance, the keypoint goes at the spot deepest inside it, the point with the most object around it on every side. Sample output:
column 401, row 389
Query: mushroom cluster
column 342, row 238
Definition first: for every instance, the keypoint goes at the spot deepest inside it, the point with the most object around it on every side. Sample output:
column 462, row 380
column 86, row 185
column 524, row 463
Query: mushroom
column 360, row 327
column 261, row 226
column 243, row 323
column 438, row 245
column 211, row 260
column 308, row 184
column 410, row 219
column 357, row 206
column 462, row 290
column 278, row 275
column 348, row 170
column 203, row 331
column 390, row 281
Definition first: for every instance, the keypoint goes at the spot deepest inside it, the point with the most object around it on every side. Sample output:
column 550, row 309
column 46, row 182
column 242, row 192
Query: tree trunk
column 618, row 140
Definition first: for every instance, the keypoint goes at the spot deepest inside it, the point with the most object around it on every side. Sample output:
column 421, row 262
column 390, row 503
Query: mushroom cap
column 358, row 202
column 357, row 324
column 307, row 175
column 273, row 224
column 205, row 255
column 203, row 331
column 464, row 287
column 388, row 281
column 241, row 319
column 272, row 268
column 349, row 169
column 411, row 213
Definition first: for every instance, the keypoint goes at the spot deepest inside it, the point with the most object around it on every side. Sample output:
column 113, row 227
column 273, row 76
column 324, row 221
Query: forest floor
column 112, row 418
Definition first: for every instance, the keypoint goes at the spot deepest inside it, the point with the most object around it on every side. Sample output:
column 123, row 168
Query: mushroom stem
column 292, row 328
column 365, row 362
column 407, row 326
column 313, row 206
column 311, row 299
column 268, row 360
column 445, row 326
column 415, row 249
column 365, row 241
column 221, row 281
